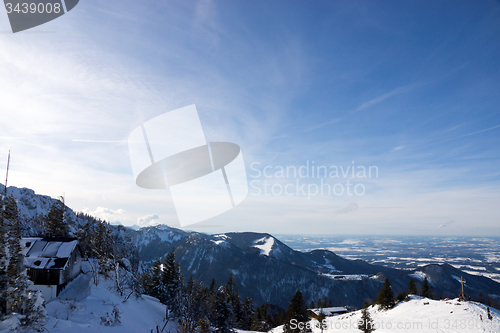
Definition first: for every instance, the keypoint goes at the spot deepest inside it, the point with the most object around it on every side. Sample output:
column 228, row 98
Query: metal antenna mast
column 6, row 177
column 4, row 196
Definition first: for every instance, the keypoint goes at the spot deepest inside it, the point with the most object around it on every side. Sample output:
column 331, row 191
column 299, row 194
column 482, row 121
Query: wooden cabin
column 329, row 312
column 51, row 263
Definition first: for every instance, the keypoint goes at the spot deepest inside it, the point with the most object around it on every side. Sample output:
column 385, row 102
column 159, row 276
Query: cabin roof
column 329, row 311
column 45, row 253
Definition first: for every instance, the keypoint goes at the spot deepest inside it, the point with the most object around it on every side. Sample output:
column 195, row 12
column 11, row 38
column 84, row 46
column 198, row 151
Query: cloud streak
column 482, row 131
column 381, row 98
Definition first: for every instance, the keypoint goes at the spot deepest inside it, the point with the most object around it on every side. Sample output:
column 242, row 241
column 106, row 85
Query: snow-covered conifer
column 16, row 271
column 55, row 226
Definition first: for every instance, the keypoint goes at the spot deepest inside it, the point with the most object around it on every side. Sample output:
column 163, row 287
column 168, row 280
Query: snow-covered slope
column 80, row 307
column 265, row 245
column 420, row 315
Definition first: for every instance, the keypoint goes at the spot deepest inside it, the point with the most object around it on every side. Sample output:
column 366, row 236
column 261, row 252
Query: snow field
column 82, row 304
column 420, row 315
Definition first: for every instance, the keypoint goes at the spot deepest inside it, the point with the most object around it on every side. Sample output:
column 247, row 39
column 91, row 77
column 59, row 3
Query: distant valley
column 474, row 255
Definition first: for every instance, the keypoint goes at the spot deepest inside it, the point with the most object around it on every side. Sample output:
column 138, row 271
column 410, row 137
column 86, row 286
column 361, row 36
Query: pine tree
column 210, row 302
column 222, row 313
column 322, row 303
column 188, row 303
column 234, row 301
column 55, row 225
column 4, row 262
column 366, row 323
column 247, row 316
column 35, row 314
column 297, row 310
column 412, row 287
column 171, row 279
column 152, row 281
column 402, row 296
column 385, row 296
column 158, row 289
column 260, row 320
column 425, row 288
column 321, row 317
column 16, row 271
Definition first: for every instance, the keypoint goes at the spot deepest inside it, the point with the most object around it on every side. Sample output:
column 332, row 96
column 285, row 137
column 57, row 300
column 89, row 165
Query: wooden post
column 462, row 281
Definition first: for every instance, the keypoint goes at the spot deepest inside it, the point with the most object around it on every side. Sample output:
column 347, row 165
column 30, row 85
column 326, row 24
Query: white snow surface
column 419, row 276
column 358, row 277
column 65, row 249
column 137, row 315
column 419, row 315
column 80, row 306
column 265, row 245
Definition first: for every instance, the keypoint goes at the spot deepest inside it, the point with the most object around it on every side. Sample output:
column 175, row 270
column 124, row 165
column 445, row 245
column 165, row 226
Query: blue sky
column 410, row 87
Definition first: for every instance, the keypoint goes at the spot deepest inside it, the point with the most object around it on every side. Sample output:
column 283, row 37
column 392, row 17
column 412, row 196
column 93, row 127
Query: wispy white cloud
column 446, row 224
column 482, row 131
column 352, row 207
column 99, row 141
column 383, row 97
column 107, row 214
column 315, row 127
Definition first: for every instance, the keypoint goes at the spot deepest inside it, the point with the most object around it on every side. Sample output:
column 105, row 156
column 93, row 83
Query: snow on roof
column 45, row 263
column 27, row 243
column 66, row 249
column 37, row 249
column 329, row 311
column 37, row 262
column 41, row 254
column 51, row 249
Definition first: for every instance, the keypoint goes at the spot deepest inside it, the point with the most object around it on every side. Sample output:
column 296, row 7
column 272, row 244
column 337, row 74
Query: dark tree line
column 199, row 308
column 386, row 298
column 195, row 306
column 266, row 317
column 15, row 293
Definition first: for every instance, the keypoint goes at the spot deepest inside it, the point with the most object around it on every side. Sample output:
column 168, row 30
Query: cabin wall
column 73, row 268
column 48, row 292
column 44, row 276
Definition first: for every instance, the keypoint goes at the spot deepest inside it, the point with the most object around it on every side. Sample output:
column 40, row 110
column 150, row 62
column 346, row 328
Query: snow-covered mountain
column 266, row 269
column 269, row 271
column 32, row 207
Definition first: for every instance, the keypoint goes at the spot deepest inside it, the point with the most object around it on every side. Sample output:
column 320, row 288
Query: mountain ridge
column 264, row 268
